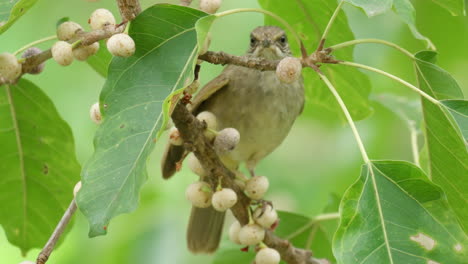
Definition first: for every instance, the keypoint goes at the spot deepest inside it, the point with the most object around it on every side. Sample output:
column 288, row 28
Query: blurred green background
column 318, row 158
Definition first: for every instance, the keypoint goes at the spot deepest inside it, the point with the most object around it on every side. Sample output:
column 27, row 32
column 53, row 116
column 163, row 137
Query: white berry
column 31, row 52
column 10, row 69
column 121, row 45
column 289, row 69
column 267, row 256
column 234, row 230
column 265, row 217
column 210, row 6
column 67, row 30
column 199, row 194
column 82, row 53
column 101, row 18
column 251, row 234
column 224, row 199
column 195, row 166
column 174, row 137
column 226, row 140
column 62, row 53
column 211, row 123
column 77, row 188
column 95, row 113
column 256, row 187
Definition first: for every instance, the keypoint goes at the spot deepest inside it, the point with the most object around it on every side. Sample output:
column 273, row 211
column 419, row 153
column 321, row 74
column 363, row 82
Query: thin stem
column 34, row 43
column 49, row 246
column 76, row 43
column 378, row 41
column 414, row 143
column 315, row 220
column 414, row 88
column 332, row 20
column 257, row 10
column 338, row 98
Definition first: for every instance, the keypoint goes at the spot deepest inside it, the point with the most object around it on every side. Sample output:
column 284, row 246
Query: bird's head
column 269, row 42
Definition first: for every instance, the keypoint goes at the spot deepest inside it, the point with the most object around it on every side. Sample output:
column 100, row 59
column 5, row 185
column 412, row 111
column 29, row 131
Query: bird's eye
column 283, row 39
column 252, row 41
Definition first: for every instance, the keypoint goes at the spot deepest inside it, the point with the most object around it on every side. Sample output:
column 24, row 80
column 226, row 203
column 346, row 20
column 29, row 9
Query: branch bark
column 224, row 58
column 129, row 9
column 191, row 131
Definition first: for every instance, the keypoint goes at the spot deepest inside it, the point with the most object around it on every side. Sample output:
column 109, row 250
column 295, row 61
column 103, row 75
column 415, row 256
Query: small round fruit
column 289, row 69
column 267, row 256
column 67, row 30
column 251, row 234
column 210, row 6
column 95, row 113
column 101, row 18
column 31, row 52
column 224, row 199
column 77, row 188
column 82, row 53
column 211, row 123
column 174, row 137
column 62, row 53
column 199, row 194
column 226, row 140
column 121, row 45
column 265, row 217
column 195, row 166
column 256, row 187
column 10, row 68
column 234, row 230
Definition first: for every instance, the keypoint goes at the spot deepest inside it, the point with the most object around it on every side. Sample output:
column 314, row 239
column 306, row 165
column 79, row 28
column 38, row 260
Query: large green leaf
column 11, row 10
column 101, row 60
column 394, row 215
column 447, row 153
column 459, row 111
column 372, row 7
column 309, row 18
column 131, row 102
column 38, row 165
column 405, row 10
column 455, row 7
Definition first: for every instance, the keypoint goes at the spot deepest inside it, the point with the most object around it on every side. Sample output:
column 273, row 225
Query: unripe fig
column 199, row 194
column 224, row 199
column 10, row 68
column 256, row 187
column 195, row 166
column 211, row 123
column 121, row 45
column 31, row 52
column 210, row 6
column 62, row 53
column 289, row 69
column 95, row 113
column 67, row 30
column 265, row 216
column 251, row 234
column 77, row 188
column 82, row 53
column 267, row 256
column 101, row 18
column 226, row 140
column 234, row 230
column 174, row 137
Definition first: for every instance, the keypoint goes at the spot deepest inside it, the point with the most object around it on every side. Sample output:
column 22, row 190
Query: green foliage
column 101, row 60
column 459, row 111
column 447, row 152
column 309, row 19
column 394, row 214
column 372, row 7
column 455, row 7
column 131, row 102
column 12, row 10
column 38, row 165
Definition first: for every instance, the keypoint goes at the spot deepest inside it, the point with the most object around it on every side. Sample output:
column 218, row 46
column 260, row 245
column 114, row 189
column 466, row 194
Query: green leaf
column 447, row 152
column 101, row 60
column 455, row 7
column 309, row 18
column 131, row 102
column 230, row 253
column 393, row 214
column 372, row 7
column 406, row 109
column 12, row 10
column 459, row 111
column 405, row 10
column 38, row 165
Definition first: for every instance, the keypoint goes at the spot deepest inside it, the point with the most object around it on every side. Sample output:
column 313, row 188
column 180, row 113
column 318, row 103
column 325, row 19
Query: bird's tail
column 204, row 230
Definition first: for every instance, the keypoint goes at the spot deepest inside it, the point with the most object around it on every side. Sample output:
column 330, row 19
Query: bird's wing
column 208, row 90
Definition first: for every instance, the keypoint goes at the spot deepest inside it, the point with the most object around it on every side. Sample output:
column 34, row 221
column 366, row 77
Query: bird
column 257, row 104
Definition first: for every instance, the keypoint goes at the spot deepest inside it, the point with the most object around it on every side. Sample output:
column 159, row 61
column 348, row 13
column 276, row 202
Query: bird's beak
column 266, row 43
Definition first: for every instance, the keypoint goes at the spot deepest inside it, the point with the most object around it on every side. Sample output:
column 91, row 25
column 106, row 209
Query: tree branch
column 191, row 131
column 129, row 9
column 49, row 246
column 224, row 58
